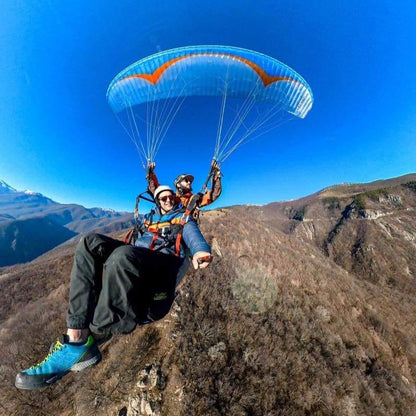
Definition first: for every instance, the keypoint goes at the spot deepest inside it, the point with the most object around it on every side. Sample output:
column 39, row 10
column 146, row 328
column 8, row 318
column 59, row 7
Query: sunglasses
column 186, row 180
column 167, row 198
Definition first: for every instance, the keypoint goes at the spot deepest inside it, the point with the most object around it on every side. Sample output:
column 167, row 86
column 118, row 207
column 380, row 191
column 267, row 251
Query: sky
column 58, row 135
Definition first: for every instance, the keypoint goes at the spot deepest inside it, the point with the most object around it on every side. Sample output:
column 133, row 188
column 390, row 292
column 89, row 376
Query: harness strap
column 178, row 244
column 183, row 221
column 129, row 236
column 152, row 244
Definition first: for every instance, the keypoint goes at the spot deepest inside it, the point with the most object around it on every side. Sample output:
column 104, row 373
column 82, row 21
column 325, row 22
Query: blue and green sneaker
column 62, row 358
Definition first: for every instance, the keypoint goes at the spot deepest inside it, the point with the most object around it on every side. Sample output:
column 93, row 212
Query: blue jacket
column 192, row 238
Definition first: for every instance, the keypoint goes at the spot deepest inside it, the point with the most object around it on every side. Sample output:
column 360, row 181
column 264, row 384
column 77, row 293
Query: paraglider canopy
column 263, row 92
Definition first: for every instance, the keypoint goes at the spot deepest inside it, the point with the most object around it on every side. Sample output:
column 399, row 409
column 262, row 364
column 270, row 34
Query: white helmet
column 160, row 189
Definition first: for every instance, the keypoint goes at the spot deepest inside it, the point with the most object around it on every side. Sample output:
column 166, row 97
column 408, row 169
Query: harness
column 133, row 233
column 192, row 203
column 170, row 231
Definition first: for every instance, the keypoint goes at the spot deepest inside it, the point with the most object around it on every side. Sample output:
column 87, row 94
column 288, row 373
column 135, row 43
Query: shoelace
column 57, row 347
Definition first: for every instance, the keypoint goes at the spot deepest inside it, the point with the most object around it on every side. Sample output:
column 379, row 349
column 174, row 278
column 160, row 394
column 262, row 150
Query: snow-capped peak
column 29, row 192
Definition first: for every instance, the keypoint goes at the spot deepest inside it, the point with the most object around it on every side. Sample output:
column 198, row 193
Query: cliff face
column 368, row 230
column 307, row 309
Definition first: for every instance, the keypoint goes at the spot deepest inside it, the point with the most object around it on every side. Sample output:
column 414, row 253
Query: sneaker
column 62, row 358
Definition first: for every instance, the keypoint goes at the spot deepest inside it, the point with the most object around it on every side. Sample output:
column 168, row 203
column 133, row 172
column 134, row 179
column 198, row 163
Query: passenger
column 115, row 286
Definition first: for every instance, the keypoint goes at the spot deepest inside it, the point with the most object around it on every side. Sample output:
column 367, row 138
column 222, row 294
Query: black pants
column 115, row 286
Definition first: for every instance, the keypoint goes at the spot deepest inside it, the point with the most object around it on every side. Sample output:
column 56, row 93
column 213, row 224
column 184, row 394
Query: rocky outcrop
column 148, row 398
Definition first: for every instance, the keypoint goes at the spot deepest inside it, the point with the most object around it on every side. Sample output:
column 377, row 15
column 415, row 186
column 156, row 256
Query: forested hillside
column 307, row 309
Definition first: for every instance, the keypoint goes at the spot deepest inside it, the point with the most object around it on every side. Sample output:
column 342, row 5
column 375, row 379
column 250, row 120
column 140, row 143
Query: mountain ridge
column 24, row 214
column 5, row 188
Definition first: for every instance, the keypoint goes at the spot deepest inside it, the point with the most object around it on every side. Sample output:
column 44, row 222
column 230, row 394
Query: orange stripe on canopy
column 155, row 76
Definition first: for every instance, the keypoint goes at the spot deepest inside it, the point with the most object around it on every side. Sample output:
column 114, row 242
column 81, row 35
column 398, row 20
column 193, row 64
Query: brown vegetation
column 307, row 309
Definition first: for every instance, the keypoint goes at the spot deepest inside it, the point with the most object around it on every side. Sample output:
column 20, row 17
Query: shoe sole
column 85, row 364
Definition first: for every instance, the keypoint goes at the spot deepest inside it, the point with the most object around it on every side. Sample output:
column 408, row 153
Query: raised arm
column 151, row 177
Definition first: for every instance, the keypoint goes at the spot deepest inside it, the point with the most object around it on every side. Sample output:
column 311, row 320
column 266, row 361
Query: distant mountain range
column 31, row 223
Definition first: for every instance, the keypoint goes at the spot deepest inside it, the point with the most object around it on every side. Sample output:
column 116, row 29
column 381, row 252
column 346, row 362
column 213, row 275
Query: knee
column 121, row 256
column 87, row 241
column 91, row 239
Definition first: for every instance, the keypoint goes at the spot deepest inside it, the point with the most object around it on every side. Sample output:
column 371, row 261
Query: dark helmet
column 180, row 178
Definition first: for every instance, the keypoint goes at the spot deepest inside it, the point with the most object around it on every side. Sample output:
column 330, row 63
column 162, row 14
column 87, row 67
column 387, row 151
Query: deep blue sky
column 58, row 135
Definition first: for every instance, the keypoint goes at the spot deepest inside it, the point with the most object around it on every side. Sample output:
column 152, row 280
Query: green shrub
column 359, row 202
column 411, row 185
column 331, row 203
column 375, row 194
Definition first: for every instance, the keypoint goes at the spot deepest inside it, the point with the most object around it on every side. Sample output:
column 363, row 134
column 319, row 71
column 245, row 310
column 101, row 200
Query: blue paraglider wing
column 257, row 94
column 208, row 71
